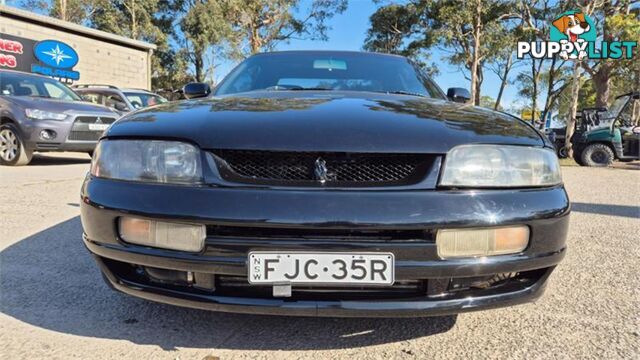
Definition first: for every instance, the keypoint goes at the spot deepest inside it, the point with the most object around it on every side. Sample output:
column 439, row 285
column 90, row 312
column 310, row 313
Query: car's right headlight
column 493, row 166
column 155, row 161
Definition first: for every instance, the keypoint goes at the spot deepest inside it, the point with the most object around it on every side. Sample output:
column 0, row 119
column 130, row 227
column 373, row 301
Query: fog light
column 456, row 243
column 47, row 134
column 164, row 235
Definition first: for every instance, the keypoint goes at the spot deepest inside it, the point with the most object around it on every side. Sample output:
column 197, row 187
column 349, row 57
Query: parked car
column 121, row 100
column 41, row 114
column 326, row 183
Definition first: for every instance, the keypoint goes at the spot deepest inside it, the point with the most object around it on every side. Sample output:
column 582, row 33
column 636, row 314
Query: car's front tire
column 12, row 149
column 598, row 155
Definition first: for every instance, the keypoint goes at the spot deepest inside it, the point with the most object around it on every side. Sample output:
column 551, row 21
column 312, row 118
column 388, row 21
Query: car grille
column 321, row 169
column 81, row 132
column 94, row 120
column 329, row 234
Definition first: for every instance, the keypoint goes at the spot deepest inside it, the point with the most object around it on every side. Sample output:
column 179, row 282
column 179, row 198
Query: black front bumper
column 545, row 211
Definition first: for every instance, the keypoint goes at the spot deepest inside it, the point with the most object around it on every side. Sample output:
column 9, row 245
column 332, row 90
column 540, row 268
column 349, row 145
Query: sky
column 348, row 32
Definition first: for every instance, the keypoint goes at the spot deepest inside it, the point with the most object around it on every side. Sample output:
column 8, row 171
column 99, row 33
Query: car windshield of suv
column 16, row 84
column 140, row 100
column 317, row 71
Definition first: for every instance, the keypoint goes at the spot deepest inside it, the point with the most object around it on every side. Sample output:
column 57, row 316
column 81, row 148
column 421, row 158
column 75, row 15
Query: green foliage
column 265, row 23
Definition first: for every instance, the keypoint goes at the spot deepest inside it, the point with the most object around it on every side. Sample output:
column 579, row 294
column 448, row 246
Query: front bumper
column 545, row 211
column 63, row 141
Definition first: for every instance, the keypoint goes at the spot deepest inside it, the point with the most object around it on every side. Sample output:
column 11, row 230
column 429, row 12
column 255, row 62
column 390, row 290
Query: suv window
column 112, row 100
column 17, row 84
column 139, row 100
column 92, row 97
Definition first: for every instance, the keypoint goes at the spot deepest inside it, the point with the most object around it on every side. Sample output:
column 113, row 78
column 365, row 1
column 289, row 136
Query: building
column 70, row 52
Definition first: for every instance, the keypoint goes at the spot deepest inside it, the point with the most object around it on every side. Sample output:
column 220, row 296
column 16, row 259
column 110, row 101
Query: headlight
column 147, row 161
column 38, row 114
column 500, row 166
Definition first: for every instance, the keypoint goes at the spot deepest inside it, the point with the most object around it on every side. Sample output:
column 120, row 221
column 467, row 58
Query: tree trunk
column 477, row 26
column 534, row 91
column 479, row 79
column 198, row 65
column 134, row 23
column 254, row 40
column 550, row 85
column 573, row 110
column 503, row 83
column 63, row 10
column 602, row 84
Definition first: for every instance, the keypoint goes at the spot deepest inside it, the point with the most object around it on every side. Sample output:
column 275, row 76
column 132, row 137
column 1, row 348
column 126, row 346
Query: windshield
column 16, row 84
column 140, row 100
column 318, row 71
column 615, row 109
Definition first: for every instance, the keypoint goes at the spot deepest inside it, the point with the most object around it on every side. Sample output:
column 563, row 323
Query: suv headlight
column 500, row 166
column 147, row 161
column 38, row 114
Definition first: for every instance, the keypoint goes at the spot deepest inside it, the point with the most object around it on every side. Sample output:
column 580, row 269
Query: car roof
column 26, row 74
column 328, row 53
column 103, row 88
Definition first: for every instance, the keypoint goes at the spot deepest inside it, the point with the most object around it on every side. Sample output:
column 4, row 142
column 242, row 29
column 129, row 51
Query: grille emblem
column 98, row 120
column 320, row 170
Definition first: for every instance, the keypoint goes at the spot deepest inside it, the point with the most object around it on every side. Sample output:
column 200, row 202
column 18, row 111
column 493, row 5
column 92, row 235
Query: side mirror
column 196, row 90
column 460, row 95
column 120, row 106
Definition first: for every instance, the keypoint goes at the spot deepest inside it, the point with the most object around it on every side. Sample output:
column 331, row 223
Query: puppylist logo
column 573, row 36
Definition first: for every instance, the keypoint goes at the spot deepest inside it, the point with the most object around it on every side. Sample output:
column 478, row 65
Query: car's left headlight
column 38, row 114
column 500, row 166
column 147, row 161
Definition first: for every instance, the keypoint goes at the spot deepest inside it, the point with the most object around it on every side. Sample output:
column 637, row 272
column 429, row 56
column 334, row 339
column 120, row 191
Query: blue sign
column 56, row 59
column 56, row 54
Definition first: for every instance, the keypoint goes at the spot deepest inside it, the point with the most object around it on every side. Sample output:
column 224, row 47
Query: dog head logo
column 572, row 35
column 572, row 25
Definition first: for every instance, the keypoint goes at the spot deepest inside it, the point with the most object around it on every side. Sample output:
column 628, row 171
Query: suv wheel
column 599, row 155
column 12, row 151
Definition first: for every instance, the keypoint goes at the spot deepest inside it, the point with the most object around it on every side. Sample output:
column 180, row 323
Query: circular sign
column 55, row 54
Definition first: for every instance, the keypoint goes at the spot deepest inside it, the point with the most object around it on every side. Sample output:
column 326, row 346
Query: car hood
column 59, row 105
column 321, row 121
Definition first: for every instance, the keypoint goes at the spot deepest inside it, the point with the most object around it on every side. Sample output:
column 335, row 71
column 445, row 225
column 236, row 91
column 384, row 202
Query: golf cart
column 604, row 135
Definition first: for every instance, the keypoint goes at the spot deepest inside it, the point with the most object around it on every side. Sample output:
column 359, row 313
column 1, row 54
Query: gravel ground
column 53, row 303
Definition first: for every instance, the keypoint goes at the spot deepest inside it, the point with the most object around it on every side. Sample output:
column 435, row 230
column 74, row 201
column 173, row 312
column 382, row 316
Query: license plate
column 98, row 127
column 321, row 268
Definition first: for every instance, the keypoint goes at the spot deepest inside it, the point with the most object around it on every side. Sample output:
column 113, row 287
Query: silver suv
column 38, row 113
column 119, row 99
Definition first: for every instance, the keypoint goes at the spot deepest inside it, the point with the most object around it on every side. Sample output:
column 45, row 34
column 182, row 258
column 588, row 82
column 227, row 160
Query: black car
column 329, row 184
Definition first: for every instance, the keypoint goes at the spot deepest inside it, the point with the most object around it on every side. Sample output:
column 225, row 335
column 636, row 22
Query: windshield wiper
column 309, row 88
column 402, row 92
column 294, row 88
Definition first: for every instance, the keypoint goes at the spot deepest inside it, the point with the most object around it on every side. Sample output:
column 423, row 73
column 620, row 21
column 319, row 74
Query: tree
column 618, row 21
column 268, row 22
column 575, row 87
column 390, row 27
column 393, row 30
column 206, row 30
column 75, row 11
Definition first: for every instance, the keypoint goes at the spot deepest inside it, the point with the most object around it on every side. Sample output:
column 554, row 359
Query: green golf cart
column 604, row 135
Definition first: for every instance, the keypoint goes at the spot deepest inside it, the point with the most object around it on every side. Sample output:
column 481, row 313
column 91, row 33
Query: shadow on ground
column 49, row 280
column 45, row 160
column 607, row 209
